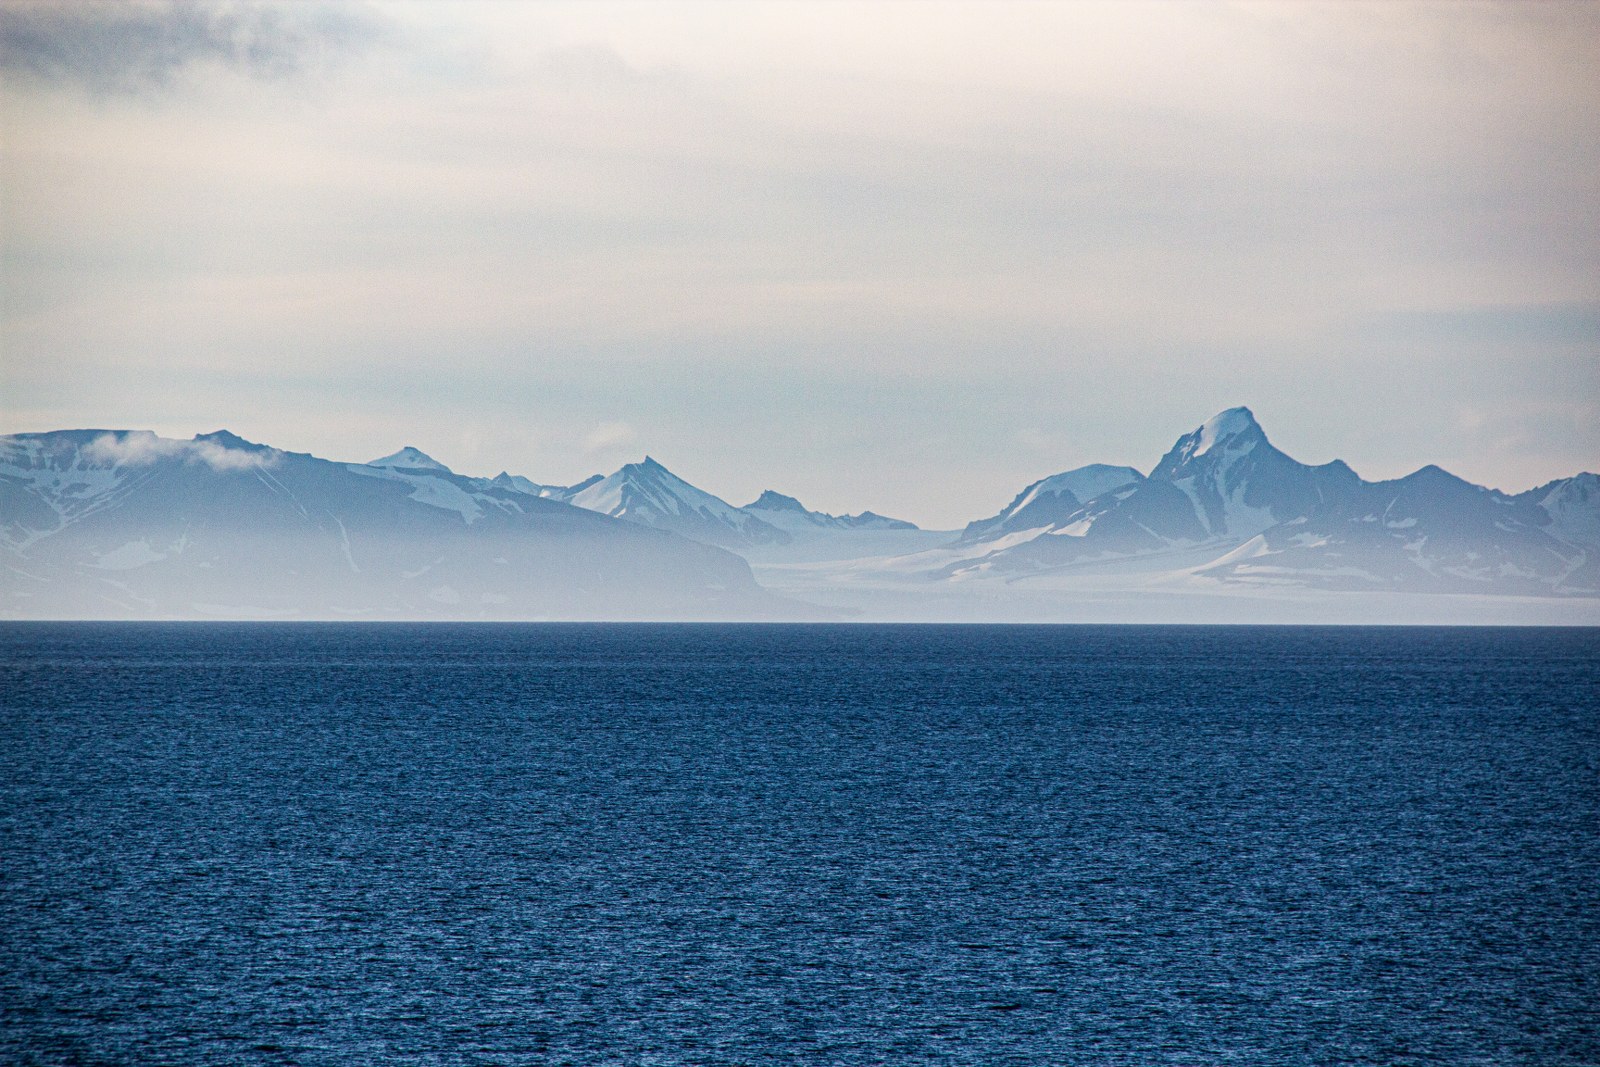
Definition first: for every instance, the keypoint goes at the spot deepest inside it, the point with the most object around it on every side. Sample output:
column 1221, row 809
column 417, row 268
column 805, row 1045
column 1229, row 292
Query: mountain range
column 124, row 523
column 1270, row 519
column 96, row 523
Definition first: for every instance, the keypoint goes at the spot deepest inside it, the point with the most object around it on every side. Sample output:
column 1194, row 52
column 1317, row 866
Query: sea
column 330, row 843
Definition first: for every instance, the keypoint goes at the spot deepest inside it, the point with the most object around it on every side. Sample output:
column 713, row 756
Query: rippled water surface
column 332, row 844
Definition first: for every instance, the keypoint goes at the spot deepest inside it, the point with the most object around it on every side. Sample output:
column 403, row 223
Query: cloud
column 608, row 435
column 881, row 237
column 140, row 449
column 146, row 44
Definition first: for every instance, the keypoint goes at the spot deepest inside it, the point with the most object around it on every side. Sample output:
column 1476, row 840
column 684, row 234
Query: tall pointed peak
column 1225, row 426
column 646, row 469
column 1433, row 474
column 1227, row 434
column 771, row 500
column 410, row 458
column 516, row 482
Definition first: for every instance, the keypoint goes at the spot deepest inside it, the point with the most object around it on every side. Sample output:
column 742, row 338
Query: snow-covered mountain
column 650, row 495
column 1429, row 531
column 98, row 523
column 517, row 483
column 1226, row 504
column 1240, row 484
column 1573, row 505
column 1220, row 483
column 414, row 459
column 787, row 513
column 1049, row 501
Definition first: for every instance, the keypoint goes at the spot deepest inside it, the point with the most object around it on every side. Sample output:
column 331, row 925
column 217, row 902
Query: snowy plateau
column 1224, row 528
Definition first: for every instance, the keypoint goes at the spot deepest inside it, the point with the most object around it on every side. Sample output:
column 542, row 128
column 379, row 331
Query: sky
column 899, row 256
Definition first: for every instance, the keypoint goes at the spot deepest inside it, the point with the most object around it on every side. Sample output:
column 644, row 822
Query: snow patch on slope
column 428, row 489
column 1084, row 483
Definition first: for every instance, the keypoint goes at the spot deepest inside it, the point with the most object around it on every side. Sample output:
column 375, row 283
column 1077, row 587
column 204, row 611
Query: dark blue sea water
column 368, row 844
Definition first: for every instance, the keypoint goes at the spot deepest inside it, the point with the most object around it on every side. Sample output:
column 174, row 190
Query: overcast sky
column 906, row 257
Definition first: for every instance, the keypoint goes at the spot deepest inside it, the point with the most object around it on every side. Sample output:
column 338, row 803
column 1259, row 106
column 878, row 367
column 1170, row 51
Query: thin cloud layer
column 142, row 448
column 609, row 435
column 131, row 47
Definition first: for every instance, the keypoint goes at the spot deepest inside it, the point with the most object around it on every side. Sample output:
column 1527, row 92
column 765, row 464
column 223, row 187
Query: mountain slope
column 99, row 523
column 1051, row 501
column 1429, row 531
column 1573, row 505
